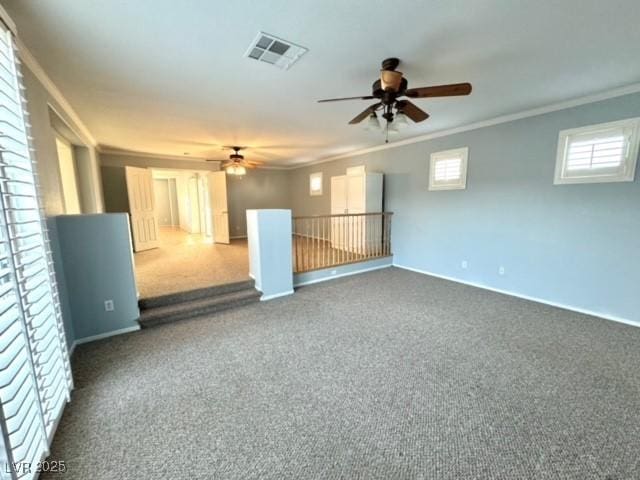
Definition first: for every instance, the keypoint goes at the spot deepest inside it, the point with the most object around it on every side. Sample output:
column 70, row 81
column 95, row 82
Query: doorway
column 193, row 249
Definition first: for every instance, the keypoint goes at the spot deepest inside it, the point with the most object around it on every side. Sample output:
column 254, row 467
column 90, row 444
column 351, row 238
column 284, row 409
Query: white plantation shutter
column 35, row 377
column 448, row 169
column 598, row 153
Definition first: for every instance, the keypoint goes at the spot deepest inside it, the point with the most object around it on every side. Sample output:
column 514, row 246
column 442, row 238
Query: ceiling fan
column 236, row 164
column 389, row 90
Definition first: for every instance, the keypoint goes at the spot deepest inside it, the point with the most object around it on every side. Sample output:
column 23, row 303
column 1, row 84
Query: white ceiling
column 163, row 76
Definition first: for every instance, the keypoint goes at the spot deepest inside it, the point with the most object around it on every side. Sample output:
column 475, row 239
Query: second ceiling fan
column 236, row 164
column 390, row 89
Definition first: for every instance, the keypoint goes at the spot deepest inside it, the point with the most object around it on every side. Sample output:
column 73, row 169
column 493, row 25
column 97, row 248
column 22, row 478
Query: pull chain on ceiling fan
column 389, row 89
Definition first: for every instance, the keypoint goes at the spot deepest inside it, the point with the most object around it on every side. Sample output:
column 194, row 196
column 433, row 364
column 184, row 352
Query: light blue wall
column 575, row 245
column 96, row 254
column 270, row 251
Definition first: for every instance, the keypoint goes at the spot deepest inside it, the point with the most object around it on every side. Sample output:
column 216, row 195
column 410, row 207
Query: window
column 315, row 184
column 448, row 169
column 35, row 378
column 67, row 164
column 598, row 153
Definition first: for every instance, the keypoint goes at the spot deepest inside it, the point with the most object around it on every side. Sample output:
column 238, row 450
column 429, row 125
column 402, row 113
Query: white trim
column 134, row 153
column 103, row 149
column 554, row 107
column 8, row 21
column 460, row 183
column 237, row 237
column 29, row 60
column 630, row 128
column 264, row 298
column 100, row 336
column 346, row 274
column 72, row 348
column 524, row 297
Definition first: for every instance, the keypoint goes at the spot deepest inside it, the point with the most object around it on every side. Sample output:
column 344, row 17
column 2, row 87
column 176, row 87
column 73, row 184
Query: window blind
column 598, row 151
column 447, row 169
column 35, row 376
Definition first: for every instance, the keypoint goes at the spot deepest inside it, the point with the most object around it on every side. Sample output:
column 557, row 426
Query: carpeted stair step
column 191, row 295
column 203, row 306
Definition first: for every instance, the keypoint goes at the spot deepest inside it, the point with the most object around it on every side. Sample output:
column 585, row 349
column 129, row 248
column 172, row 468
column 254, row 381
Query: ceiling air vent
column 276, row 51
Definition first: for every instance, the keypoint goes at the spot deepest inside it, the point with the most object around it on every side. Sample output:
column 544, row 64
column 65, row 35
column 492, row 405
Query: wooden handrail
column 343, row 215
column 323, row 241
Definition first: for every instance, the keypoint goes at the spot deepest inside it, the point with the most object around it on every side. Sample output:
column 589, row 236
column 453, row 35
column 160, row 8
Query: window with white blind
column 448, row 169
column 598, row 153
column 35, row 378
column 315, row 184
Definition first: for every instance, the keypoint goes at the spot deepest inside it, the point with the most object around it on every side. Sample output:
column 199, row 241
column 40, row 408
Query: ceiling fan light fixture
column 372, row 123
column 401, row 120
column 236, row 169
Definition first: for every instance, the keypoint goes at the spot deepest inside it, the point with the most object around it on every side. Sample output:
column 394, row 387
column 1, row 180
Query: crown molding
column 32, row 64
column 135, row 153
column 576, row 102
column 7, row 20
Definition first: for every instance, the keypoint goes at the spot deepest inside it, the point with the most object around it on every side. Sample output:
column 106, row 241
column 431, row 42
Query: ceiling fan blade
column 217, row 160
column 412, row 111
column 253, row 162
column 233, row 147
column 361, row 116
column 367, row 97
column 450, row 90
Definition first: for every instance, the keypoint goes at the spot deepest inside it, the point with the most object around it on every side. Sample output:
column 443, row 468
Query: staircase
column 194, row 303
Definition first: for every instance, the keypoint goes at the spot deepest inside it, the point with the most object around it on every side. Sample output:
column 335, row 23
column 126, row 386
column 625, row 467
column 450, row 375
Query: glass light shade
column 392, row 127
column 401, row 120
column 236, row 170
column 372, row 123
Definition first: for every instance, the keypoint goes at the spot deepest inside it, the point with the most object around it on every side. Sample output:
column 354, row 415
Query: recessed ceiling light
column 276, row 51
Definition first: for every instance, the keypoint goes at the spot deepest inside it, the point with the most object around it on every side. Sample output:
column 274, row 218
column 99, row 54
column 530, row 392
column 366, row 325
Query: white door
column 219, row 212
column 144, row 225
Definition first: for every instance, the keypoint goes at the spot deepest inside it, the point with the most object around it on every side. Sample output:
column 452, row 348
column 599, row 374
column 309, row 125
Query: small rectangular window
column 315, row 184
column 448, row 169
column 598, row 153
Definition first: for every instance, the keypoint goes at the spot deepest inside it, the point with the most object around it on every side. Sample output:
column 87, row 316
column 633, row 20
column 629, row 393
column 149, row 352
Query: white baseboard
column 524, row 297
column 100, row 336
column 264, row 298
column 346, row 274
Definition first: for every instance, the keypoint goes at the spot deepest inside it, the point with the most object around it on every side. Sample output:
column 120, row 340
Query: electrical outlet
column 108, row 306
column 464, row 264
column 501, row 270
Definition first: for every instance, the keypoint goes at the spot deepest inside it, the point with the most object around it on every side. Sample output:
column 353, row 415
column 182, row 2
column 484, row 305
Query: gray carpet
column 385, row 375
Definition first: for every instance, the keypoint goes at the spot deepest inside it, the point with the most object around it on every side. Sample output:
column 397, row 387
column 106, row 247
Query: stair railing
column 325, row 241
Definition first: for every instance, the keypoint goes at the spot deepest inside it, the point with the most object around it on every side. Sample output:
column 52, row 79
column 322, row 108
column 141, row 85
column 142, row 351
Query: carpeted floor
column 188, row 261
column 385, row 375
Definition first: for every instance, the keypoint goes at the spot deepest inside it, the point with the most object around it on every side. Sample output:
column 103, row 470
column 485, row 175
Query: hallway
column 188, row 261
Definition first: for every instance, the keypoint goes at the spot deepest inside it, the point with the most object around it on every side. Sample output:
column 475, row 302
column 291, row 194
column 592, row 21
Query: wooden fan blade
column 451, row 90
column 233, row 147
column 367, row 97
column 361, row 116
column 217, row 160
column 412, row 111
column 254, row 162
